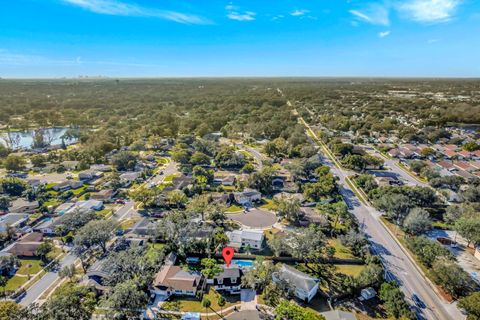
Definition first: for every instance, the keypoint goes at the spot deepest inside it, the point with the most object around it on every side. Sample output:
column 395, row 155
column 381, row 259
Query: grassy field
column 341, row 251
column 349, row 269
column 169, row 178
column 29, row 266
column 194, row 305
column 129, row 223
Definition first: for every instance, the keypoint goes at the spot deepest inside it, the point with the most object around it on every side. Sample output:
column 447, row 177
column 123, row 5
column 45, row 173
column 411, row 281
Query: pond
column 24, row 139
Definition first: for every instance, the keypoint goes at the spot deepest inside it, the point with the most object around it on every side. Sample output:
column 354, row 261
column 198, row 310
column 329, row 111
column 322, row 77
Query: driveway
column 255, row 218
column 248, row 299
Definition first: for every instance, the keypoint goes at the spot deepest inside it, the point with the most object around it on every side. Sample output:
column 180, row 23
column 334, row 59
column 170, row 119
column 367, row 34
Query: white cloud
column 430, row 41
column 429, row 10
column 278, row 17
column 298, row 13
column 233, row 13
column 231, row 7
column 384, row 34
column 373, row 13
column 245, row 16
column 119, row 8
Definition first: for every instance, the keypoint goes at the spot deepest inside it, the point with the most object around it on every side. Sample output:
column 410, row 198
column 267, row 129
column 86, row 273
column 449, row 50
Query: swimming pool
column 242, row 263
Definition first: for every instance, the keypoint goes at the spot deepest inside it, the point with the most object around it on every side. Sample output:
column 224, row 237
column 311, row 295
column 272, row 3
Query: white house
column 246, row 237
column 247, row 196
column 89, row 205
column 303, row 286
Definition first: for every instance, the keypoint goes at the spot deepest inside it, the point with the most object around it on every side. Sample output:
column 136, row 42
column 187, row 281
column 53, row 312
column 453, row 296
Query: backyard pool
column 243, row 263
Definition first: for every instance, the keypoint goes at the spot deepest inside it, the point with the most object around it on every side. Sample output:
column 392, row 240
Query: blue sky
column 162, row 38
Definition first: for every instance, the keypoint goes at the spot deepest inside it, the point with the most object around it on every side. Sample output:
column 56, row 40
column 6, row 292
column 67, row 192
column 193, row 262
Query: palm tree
column 221, row 303
column 206, row 303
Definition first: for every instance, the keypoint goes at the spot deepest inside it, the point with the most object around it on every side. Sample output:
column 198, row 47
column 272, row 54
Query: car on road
column 19, row 295
column 418, row 302
column 120, row 201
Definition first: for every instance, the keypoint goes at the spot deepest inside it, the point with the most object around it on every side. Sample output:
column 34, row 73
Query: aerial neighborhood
column 127, row 213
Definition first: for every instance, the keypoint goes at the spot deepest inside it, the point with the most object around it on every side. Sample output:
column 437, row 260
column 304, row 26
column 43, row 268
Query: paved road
column 255, row 218
column 395, row 168
column 170, row 168
column 393, row 257
column 39, row 287
column 259, row 157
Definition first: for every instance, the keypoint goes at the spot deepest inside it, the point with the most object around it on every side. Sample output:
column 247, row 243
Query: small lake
column 24, row 139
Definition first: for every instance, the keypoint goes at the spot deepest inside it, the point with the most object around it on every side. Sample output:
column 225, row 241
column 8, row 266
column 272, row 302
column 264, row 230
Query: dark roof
column 227, row 274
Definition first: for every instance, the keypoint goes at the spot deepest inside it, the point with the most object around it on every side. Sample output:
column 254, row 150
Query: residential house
column 101, row 168
column 89, row 205
column 247, row 196
column 367, row 294
column 450, row 154
column 447, row 165
column 70, row 165
column 26, row 246
column 34, row 183
column 464, row 165
column 24, row 249
column 97, row 274
column 225, row 181
column 173, row 280
column 21, row 205
column 303, row 286
column 128, row 178
column 88, row 175
column 246, row 238
column 67, row 185
column 105, row 195
column 387, row 181
column 13, row 220
column 182, row 182
column 278, row 182
column 47, row 226
column 229, row 280
column 394, row 153
column 63, row 208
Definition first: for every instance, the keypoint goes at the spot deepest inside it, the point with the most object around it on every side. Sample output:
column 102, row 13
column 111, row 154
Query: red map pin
column 227, row 254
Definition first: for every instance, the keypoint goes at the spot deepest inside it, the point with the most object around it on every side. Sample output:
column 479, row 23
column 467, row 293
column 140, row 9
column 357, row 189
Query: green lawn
column 195, row 305
column 29, row 266
column 349, row 269
column 129, row 223
column 162, row 160
column 80, row 190
column 247, row 155
column 267, row 204
column 341, row 252
column 234, row 208
column 50, row 185
column 14, row 283
column 169, row 178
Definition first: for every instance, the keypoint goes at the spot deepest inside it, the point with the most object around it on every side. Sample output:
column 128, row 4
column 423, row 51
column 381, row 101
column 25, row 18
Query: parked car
column 418, row 302
column 120, row 201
